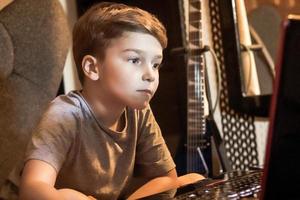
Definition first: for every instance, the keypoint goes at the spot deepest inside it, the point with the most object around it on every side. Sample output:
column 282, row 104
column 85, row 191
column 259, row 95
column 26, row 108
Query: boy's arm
column 37, row 182
column 165, row 183
column 156, row 185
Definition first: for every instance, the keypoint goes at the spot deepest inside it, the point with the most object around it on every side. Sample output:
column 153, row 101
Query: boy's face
column 129, row 73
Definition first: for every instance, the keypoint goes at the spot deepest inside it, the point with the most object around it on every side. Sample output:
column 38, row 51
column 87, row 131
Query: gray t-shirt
column 93, row 159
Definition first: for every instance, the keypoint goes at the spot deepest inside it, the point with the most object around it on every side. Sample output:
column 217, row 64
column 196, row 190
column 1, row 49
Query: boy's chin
column 140, row 106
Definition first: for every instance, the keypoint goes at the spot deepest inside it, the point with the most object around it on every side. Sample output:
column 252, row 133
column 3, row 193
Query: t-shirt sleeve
column 53, row 137
column 152, row 156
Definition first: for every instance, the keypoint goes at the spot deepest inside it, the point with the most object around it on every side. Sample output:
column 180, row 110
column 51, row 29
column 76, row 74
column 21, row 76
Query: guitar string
column 198, row 99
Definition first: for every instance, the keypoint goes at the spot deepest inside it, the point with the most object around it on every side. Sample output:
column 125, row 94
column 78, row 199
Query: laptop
column 282, row 161
column 280, row 177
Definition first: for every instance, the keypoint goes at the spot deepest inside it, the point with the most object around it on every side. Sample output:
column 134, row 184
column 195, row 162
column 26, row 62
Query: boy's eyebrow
column 141, row 52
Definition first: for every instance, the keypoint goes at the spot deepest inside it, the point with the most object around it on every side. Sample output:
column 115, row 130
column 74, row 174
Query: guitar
column 197, row 142
column 194, row 155
column 204, row 151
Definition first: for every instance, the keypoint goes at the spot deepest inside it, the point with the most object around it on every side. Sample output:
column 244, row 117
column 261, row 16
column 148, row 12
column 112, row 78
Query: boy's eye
column 157, row 66
column 134, row 60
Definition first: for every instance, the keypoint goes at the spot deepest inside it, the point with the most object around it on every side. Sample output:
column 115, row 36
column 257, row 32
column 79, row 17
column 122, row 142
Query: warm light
column 292, row 3
column 276, row 2
column 254, row 3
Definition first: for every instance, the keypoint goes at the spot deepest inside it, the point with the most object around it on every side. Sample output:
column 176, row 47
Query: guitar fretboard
column 195, row 88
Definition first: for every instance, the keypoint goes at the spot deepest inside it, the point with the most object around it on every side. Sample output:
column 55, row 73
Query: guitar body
column 181, row 159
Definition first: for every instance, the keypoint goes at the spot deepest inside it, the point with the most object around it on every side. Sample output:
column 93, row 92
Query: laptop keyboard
column 234, row 185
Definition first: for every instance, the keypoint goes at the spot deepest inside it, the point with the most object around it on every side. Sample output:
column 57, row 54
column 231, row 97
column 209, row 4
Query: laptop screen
column 281, row 179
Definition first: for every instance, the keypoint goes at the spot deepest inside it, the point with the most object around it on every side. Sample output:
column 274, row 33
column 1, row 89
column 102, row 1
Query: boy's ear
column 90, row 67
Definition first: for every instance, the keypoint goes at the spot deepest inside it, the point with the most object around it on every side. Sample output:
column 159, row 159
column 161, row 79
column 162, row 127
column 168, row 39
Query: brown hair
column 107, row 21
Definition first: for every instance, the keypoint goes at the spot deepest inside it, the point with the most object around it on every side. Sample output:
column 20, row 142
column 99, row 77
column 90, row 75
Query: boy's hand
column 189, row 179
column 156, row 185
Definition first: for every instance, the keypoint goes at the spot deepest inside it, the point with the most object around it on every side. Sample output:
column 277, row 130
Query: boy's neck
column 110, row 116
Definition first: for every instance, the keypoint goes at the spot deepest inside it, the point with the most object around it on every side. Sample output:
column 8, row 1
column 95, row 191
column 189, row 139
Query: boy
column 92, row 143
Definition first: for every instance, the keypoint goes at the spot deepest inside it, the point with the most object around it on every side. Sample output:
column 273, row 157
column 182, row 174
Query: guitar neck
column 196, row 127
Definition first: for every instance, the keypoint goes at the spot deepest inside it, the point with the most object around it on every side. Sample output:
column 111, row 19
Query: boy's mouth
column 149, row 92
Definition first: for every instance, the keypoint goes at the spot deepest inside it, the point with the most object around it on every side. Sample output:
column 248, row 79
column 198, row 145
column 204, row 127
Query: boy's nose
column 149, row 74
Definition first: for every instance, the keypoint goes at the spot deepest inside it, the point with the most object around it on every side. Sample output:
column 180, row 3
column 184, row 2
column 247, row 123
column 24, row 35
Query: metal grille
column 238, row 129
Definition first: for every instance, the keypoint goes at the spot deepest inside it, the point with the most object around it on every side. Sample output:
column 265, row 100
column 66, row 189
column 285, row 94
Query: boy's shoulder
column 66, row 105
column 72, row 100
column 65, row 112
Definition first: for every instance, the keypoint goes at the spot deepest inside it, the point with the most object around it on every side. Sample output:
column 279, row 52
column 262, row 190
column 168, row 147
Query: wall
column 71, row 81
